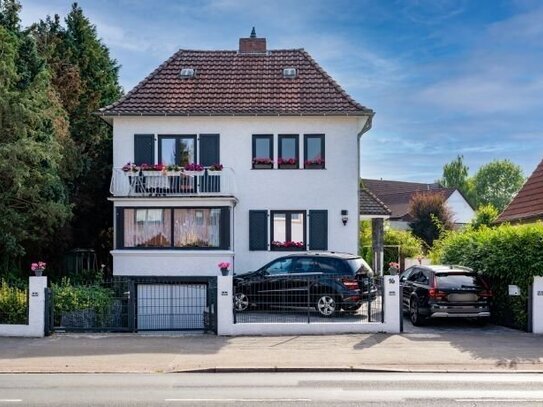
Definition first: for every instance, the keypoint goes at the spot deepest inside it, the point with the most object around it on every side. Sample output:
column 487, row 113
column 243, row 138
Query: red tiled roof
column 231, row 83
column 527, row 205
column 396, row 195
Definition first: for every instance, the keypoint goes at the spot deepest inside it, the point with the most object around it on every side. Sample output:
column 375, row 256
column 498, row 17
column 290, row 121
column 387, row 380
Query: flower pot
column 288, row 166
column 225, row 272
column 193, row 173
column 262, row 166
column 314, row 167
column 38, row 273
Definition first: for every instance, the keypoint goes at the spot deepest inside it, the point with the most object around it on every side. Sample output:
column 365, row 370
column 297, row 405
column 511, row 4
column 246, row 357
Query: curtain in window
column 197, row 227
column 147, row 228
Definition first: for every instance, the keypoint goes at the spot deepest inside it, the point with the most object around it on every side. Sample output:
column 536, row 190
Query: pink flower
column 224, row 265
column 40, row 265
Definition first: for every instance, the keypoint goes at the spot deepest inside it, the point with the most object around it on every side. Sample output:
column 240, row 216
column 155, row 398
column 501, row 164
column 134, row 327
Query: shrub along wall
column 13, row 304
column 505, row 255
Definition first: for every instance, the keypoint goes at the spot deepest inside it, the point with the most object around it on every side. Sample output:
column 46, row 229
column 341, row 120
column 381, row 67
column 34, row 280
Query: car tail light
column 485, row 293
column 350, row 284
column 435, row 294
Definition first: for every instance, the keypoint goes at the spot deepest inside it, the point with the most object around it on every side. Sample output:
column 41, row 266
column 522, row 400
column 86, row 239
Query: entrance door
column 171, row 307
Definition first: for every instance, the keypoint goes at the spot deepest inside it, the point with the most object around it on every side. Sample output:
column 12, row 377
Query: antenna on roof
column 253, row 33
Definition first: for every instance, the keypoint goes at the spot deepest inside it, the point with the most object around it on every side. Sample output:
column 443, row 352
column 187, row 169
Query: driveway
column 461, row 326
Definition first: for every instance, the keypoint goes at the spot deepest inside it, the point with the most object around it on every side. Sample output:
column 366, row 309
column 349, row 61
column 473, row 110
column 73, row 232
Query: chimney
column 252, row 45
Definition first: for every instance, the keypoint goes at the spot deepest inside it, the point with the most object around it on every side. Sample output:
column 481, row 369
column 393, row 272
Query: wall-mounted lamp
column 344, row 216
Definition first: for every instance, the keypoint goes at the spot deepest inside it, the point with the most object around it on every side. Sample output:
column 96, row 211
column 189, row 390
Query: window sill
column 288, row 249
column 170, row 252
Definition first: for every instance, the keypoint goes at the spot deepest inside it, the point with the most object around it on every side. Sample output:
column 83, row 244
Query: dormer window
column 187, row 73
column 289, row 73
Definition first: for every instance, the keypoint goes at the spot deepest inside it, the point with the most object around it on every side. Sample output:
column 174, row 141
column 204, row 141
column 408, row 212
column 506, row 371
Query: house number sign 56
column 35, row 294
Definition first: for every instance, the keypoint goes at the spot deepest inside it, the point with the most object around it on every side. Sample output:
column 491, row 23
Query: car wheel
column 326, row 305
column 414, row 315
column 241, row 302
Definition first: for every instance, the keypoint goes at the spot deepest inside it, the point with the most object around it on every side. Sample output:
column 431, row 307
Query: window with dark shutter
column 144, row 149
column 318, row 230
column 209, row 149
column 258, row 230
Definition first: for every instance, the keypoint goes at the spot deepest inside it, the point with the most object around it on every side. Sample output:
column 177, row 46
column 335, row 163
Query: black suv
column 327, row 281
column 444, row 292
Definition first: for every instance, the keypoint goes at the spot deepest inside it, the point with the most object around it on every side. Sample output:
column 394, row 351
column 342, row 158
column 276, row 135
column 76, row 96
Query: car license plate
column 462, row 297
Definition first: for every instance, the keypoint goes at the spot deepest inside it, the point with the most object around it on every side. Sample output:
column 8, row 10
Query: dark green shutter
column 144, row 149
column 209, row 149
column 119, row 230
column 318, row 230
column 225, row 229
column 258, row 230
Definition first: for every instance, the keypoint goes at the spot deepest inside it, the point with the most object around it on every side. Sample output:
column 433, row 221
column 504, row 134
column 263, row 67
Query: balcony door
column 177, row 150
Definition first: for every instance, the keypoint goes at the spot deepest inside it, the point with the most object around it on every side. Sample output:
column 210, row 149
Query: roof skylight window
column 187, row 73
column 289, row 73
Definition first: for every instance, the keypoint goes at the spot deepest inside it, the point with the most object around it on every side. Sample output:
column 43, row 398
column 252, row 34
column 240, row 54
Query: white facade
column 461, row 210
column 334, row 189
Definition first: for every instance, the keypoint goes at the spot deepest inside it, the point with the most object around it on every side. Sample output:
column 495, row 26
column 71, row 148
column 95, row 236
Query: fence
column 128, row 305
column 307, row 298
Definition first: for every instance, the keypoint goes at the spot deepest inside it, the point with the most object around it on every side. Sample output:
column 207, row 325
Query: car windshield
column 459, row 281
column 359, row 266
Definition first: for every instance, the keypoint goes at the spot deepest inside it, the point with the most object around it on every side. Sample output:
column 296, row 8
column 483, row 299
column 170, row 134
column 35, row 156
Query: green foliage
column 13, row 304
column 484, row 216
column 496, row 183
column 410, row 245
column 505, row 255
column 455, row 175
column 430, row 216
column 69, row 297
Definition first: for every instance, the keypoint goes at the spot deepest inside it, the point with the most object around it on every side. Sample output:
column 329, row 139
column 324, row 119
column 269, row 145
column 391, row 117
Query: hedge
column 505, row 255
column 13, row 304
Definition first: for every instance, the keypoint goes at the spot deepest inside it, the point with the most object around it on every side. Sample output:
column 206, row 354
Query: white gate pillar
column 225, row 311
column 537, row 306
column 392, row 309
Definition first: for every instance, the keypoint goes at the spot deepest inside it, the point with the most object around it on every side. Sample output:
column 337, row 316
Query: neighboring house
column 288, row 137
column 527, row 205
column 397, row 196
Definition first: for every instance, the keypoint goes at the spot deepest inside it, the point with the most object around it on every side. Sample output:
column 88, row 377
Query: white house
column 397, row 195
column 287, row 136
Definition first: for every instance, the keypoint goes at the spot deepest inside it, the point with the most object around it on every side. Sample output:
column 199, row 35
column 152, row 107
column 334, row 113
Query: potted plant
column 193, row 169
column 393, row 268
column 287, row 163
column 38, row 268
column 316, row 164
column 262, row 163
column 215, row 169
column 151, row 170
column 130, row 168
column 224, row 266
column 287, row 245
column 173, row 170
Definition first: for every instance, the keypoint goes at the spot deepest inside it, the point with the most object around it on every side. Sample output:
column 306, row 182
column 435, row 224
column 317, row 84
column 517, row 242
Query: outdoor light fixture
column 344, row 216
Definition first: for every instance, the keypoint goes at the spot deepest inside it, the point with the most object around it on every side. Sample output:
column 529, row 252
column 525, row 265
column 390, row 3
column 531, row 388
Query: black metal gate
column 133, row 304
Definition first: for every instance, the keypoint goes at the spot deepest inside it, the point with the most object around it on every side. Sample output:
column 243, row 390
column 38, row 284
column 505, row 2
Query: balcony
column 170, row 183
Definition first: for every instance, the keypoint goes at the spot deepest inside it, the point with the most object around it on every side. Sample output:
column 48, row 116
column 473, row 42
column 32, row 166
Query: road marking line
column 10, row 400
column 240, row 399
column 490, row 400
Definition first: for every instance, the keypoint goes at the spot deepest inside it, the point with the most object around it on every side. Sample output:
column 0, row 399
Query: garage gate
column 171, row 307
column 137, row 304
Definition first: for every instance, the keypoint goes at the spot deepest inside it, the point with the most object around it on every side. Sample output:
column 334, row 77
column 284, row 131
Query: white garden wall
column 537, row 306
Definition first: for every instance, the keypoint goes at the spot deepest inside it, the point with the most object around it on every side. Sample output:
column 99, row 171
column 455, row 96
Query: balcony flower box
column 317, row 164
column 193, row 170
column 262, row 163
column 287, row 163
column 215, row 170
column 287, row 246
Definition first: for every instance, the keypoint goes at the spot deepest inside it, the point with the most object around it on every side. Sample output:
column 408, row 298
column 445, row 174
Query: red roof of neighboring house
column 527, row 205
column 397, row 195
column 371, row 205
column 237, row 83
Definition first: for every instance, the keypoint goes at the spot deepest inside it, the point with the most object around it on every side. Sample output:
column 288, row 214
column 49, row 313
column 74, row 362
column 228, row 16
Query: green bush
column 410, row 245
column 505, row 255
column 13, row 304
column 70, row 298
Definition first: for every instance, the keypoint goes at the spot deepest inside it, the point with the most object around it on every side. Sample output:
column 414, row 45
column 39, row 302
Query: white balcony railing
column 170, row 183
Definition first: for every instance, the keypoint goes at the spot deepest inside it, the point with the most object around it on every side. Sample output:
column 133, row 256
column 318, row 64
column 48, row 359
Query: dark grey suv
column 327, row 281
column 444, row 292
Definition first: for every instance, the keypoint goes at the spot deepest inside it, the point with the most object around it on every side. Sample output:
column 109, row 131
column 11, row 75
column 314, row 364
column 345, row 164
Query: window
column 263, row 151
column 197, row 228
column 288, row 230
column 173, row 228
column 305, row 265
column 329, row 265
column 288, row 151
column 147, row 228
column 314, row 151
column 280, row 266
column 177, row 150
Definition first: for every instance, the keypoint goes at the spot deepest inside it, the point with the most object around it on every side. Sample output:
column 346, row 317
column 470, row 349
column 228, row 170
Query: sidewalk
column 505, row 351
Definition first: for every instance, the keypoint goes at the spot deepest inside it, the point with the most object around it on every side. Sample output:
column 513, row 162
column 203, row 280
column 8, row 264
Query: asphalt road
column 272, row 389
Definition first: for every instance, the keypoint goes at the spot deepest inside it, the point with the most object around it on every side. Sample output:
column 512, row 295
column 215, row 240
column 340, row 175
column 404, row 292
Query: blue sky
column 445, row 77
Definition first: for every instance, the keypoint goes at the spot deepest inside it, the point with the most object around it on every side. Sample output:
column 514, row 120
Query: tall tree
column 497, row 182
column 32, row 129
column 9, row 15
column 430, row 216
column 86, row 78
column 455, row 175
